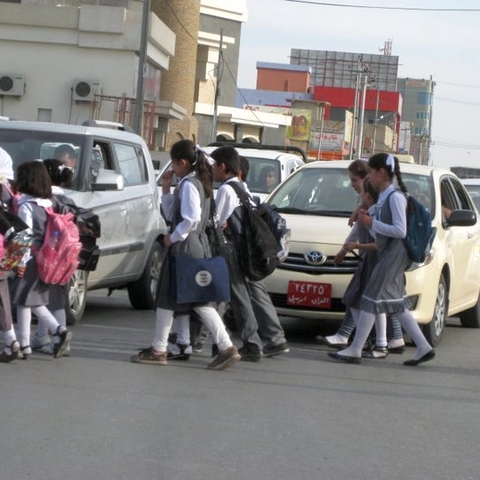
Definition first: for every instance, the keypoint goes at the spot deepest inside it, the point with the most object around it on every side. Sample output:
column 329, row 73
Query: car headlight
column 428, row 259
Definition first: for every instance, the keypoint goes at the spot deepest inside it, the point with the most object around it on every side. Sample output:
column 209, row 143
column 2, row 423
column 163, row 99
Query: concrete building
column 417, row 113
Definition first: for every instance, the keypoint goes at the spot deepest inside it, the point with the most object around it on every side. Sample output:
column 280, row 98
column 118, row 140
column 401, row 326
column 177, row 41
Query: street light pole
column 142, row 62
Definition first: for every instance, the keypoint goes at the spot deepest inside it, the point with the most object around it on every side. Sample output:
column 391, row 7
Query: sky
column 442, row 45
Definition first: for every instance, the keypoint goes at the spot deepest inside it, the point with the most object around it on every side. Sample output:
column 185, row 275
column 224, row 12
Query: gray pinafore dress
column 353, row 293
column 385, row 291
column 196, row 245
column 29, row 290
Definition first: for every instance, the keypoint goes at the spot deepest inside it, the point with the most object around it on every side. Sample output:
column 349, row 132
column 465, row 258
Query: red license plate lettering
column 309, row 294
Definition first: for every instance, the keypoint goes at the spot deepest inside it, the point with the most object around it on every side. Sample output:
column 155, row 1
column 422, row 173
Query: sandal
column 25, row 352
column 376, row 353
column 14, row 348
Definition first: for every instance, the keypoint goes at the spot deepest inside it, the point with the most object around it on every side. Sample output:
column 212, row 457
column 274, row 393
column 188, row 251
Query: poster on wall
column 301, row 125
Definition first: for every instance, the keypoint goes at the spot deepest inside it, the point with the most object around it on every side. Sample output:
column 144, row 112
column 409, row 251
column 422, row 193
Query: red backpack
column 57, row 258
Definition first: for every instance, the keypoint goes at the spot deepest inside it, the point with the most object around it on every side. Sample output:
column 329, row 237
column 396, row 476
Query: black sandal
column 25, row 352
column 14, row 348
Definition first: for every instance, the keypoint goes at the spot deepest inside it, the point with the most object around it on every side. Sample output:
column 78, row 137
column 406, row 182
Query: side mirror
column 108, row 180
column 462, row 218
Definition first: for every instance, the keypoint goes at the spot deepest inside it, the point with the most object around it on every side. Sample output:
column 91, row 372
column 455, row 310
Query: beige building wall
column 178, row 83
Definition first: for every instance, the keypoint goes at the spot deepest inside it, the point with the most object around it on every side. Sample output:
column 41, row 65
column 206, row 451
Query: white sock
column 381, row 330
column 337, row 339
column 213, row 321
column 163, row 324
column 24, row 318
column 411, row 327
column 364, row 325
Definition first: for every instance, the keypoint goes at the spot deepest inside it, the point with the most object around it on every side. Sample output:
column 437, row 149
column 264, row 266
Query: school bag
column 89, row 229
column 57, row 258
column 262, row 247
column 419, row 230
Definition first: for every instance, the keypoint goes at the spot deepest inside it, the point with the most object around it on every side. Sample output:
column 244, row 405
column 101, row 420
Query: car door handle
column 123, row 209
column 469, row 235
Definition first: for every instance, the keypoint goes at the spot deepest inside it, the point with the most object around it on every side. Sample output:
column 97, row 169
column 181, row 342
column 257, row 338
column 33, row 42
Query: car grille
column 295, row 262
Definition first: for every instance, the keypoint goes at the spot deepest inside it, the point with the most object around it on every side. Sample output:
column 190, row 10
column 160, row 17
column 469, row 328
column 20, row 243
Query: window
column 131, row 164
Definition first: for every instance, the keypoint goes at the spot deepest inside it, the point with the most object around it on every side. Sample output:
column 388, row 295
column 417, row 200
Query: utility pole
column 142, row 63
column 217, row 89
column 362, row 116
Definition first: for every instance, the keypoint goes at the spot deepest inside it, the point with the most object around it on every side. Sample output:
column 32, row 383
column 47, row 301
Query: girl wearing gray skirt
column 385, row 291
column 29, row 294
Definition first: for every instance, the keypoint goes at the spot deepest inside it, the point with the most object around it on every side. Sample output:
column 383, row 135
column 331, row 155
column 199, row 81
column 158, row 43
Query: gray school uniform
column 196, row 245
column 29, row 290
column 353, row 293
column 385, row 292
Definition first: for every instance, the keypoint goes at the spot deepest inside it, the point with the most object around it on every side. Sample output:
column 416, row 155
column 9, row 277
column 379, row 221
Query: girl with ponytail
column 187, row 210
column 385, row 291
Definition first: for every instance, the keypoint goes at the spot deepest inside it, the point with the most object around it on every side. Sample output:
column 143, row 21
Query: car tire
column 77, row 297
column 142, row 292
column 433, row 330
column 471, row 318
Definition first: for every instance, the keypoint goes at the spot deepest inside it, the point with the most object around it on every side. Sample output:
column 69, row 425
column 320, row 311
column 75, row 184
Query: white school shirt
column 190, row 209
column 398, row 205
column 227, row 200
column 25, row 207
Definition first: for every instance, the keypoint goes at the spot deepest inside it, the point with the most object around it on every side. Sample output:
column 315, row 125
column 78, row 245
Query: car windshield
column 316, row 191
column 327, row 191
column 473, row 190
column 24, row 146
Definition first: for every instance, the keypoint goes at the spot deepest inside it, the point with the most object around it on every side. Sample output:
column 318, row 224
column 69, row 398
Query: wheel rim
column 77, row 292
column 440, row 310
column 155, row 266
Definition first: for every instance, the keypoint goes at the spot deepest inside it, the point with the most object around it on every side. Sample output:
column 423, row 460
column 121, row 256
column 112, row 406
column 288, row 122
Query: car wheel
column 471, row 318
column 77, row 297
column 142, row 292
column 433, row 331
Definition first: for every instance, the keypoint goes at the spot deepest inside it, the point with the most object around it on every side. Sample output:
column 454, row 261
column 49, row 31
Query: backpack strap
column 242, row 194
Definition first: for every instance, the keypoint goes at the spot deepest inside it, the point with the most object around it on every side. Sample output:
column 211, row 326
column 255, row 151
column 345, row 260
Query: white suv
column 113, row 176
column 317, row 201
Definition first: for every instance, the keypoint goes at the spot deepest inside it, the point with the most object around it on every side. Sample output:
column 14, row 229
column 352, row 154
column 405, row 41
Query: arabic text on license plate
column 309, row 294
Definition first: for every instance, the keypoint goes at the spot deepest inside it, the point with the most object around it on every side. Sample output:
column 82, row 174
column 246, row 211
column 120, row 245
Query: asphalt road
column 97, row 416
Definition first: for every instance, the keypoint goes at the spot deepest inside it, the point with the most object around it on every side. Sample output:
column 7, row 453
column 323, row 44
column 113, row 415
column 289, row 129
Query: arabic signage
column 309, row 294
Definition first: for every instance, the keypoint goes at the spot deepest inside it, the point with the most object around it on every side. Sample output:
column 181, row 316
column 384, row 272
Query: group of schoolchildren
column 377, row 289
column 36, row 188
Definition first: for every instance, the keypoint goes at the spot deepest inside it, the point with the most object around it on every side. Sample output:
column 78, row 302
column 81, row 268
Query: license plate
column 309, row 294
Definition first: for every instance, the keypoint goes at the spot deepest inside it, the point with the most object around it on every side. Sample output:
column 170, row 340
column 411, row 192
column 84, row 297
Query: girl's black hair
column 359, row 168
column 187, row 150
column 378, row 161
column 33, row 179
column 60, row 175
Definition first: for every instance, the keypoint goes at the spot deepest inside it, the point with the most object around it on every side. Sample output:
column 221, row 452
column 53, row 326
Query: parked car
column 113, row 176
column 274, row 160
column 317, row 200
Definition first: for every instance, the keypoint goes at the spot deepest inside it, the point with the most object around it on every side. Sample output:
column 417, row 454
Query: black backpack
column 261, row 245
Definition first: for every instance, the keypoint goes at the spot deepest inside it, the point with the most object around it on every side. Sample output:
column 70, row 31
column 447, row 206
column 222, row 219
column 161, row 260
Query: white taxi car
column 317, row 200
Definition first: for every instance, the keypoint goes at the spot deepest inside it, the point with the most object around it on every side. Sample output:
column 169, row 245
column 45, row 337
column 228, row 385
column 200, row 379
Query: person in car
column 66, row 154
column 385, row 291
column 188, row 210
column 250, row 302
column 269, row 178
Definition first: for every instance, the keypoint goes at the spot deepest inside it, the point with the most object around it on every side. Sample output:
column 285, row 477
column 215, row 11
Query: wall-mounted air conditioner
column 84, row 90
column 12, row 84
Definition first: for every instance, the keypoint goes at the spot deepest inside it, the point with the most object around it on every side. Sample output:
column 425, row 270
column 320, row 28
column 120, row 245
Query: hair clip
column 391, row 162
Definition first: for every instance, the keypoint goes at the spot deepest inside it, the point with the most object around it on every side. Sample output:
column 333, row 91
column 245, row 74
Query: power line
column 328, row 4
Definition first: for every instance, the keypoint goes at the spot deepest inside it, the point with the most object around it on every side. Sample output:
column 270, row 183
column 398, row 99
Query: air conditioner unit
column 84, row 90
column 12, row 84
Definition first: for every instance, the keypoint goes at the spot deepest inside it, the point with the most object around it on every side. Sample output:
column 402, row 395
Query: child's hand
column 166, row 241
column 20, row 270
column 364, row 218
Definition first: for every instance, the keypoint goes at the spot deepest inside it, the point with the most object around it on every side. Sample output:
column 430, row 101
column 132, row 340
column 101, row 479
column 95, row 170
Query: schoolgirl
column 368, row 249
column 188, row 210
column 29, row 294
column 60, row 176
column 11, row 347
column 385, row 291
